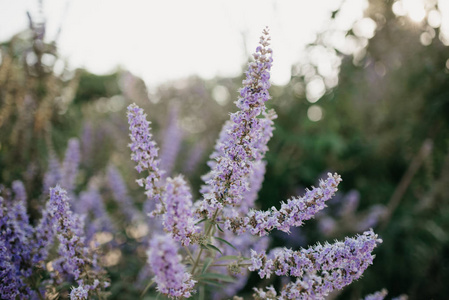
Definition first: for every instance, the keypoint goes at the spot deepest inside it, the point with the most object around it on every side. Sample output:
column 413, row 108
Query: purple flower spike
column 380, row 295
column 292, row 213
column 75, row 258
column 178, row 219
column 53, row 175
column 320, row 269
column 170, row 275
column 70, row 165
column 120, row 193
column 144, row 152
column 171, row 143
column 241, row 140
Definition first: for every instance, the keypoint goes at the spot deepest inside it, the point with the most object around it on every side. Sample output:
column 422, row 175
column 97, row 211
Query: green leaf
column 230, row 257
column 147, row 287
column 216, row 276
column 219, row 228
column 211, row 282
column 226, row 242
column 201, row 221
column 207, row 262
column 214, row 247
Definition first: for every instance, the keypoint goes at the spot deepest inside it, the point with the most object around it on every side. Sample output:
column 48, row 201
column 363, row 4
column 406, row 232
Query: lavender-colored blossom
column 70, row 165
column 376, row 212
column 69, row 232
column 241, row 142
column 15, row 236
column 53, row 175
column 44, row 234
column 320, row 269
column 74, row 255
column 171, row 142
column 243, row 244
column 120, row 194
column 90, row 204
column 11, row 283
column 170, row 274
column 292, row 213
column 87, row 142
column 350, row 202
column 79, row 293
column 194, row 157
column 144, row 153
column 269, row 294
column 255, row 184
column 178, row 218
column 380, row 295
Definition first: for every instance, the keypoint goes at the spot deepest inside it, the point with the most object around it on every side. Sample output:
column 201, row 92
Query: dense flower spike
column 292, row 213
column 11, row 283
column 120, row 194
column 53, row 175
column 171, row 142
column 74, row 254
column 90, row 205
column 241, row 141
column 16, row 237
column 178, row 218
column 320, row 269
column 170, row 275
column 144, row 152
column 380, row 295
column 70, row 165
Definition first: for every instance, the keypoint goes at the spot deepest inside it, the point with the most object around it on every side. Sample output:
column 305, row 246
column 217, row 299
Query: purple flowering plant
column 220, row 237
column 216, row 240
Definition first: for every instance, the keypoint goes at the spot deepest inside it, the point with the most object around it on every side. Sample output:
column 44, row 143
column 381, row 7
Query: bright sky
column 163, row 40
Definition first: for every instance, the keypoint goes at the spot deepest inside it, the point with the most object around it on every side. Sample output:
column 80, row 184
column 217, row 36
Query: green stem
column 208, row 231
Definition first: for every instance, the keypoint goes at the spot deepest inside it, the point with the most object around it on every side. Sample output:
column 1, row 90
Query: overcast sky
column 163, row 40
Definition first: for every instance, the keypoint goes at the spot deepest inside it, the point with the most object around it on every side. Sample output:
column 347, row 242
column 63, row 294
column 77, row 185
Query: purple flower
column 170, row 275
column 241, row 140
column 171, row 142
column 70, row 165
column 120, row 193
column 178, row 218
column 144, row 153
column 380, row 295
column 53, row 175
column 75, row 258
column 90, row 204
column 16, row 240
column 11, row 283
column 320, row 269
column 292, row 213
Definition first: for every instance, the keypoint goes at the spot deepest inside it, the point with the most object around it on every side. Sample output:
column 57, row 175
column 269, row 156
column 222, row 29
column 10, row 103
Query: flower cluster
column 242, row 141
column 319, row 269
column 178, row 219
column 170, row 274
column 74, row 255
column 292, row 213
column 144, row 153
column 120, row 194
column 229, row 194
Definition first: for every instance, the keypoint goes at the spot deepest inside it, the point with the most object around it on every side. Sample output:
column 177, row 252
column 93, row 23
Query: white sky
column 168, row 39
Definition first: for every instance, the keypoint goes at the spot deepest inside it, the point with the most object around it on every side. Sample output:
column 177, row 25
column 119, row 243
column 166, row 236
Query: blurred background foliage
column 369, row 100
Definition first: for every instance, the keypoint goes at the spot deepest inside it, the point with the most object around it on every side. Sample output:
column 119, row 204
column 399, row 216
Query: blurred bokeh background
column 361, row 88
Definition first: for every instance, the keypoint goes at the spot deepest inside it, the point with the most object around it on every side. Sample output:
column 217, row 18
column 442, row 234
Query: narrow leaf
column 226, row 242
column 219, row 228
column 230, row 257
column 217, row 276
column 207, row 262
column 201, row 221
column 214, row 247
